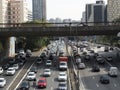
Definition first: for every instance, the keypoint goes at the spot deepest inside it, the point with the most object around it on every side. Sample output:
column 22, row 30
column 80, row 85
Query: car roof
column 46, row 69
column 31, row 73
column 62, row 72
column 113, row 67
column 2, row 78
column 104, row 76
column 11, row 68
column 42, row 78
column 82, row 63
column 63, row 83
column 48, row 60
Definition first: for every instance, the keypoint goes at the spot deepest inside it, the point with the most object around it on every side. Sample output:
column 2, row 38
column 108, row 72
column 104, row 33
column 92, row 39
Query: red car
column 42, row 83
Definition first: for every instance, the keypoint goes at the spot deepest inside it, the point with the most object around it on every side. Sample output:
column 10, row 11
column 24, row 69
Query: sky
column 66, row 9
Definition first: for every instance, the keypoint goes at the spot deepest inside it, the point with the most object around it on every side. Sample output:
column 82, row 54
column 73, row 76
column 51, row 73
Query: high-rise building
column 3, row 11
column 113, row 10
column 39, row 10
column 29, row 15
column 13, row 11
column 17, row 12
column 95, row 12
column 83, row 19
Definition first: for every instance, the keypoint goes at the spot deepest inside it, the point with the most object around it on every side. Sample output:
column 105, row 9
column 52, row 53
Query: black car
column 39, row 60
column 104, row 79
column 12, row 61
column 6, row 66
column 87, row 57
column 25, row 85
column 33, row 69
column 106, row 49
column 95, row 68
column 100, row 59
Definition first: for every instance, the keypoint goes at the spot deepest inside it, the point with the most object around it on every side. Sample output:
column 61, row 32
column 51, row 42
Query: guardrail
column 59, row 24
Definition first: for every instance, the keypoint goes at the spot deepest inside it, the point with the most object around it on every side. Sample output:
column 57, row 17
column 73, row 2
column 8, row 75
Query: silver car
column 47, row 72
column 62, row 86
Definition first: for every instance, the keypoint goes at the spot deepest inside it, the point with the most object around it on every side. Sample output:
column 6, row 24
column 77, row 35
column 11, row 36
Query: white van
column 113, row 71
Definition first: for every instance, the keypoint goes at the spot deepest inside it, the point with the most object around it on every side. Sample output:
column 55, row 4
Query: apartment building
column 113, row 10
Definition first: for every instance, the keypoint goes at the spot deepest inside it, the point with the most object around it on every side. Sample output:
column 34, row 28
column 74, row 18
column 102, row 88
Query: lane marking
column 93, row 77
column 25, row 74
column 81, row 83
column 115, row 85
column 97, row 85
column 15, row 77
column 53, row 80
column 51, row 88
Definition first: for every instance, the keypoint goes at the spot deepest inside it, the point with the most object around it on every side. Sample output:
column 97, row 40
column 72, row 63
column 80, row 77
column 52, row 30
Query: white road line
column 81, row 83
column 115, row 85
column 97, row 85
column 53, row 80
column 108, row 63
column 24, row 76
column 93, row 77
column 15, row 78
column 69, row 80
column 51, row 88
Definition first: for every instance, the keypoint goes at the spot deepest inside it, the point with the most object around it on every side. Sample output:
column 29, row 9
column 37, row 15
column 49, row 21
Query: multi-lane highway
column 88, row 80
column 52, row 80
column 91, row 80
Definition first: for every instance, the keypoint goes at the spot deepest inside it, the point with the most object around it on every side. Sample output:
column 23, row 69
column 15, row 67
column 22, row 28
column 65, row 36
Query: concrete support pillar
column 10, row 47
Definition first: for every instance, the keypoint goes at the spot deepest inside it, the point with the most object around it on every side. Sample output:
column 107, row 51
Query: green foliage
column 113, row 39
column 1, row 47
column 117, row 20
column 36, row 43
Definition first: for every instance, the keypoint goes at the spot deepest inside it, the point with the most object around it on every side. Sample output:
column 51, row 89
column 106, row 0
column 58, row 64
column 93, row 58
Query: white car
column 109, row 58
column 22, row 52
column 63, row 65
column 78, row 60
column 10, row 71
column 48, row 63
column 81, row 66
column 2, row 82
column 62, row 86
column 62, row 76
column 1, row 70
column 47, row 72
column 31, row 76
column 15, row 66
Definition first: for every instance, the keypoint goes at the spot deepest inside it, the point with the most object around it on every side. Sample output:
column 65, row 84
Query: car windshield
column 32, row 69
column 24, row 84
column 1, row 80
column 41, row 81
column 48, row 61
column 47, row 70
column 62, row 74
column 15, row 65
column 62, row 63
column 62, row 85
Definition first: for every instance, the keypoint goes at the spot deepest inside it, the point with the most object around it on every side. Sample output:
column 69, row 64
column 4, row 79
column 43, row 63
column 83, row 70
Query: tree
column 113, row 39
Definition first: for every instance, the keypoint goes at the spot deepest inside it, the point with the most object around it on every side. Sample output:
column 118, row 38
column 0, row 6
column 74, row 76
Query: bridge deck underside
column 59, row 31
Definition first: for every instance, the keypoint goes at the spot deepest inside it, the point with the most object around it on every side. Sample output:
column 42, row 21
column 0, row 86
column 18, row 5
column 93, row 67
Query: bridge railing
column 64, row 24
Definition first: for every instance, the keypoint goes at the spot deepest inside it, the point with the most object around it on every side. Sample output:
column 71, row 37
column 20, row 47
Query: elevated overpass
column 58, row 29
column 53, row 29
